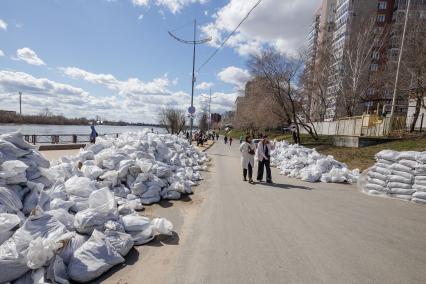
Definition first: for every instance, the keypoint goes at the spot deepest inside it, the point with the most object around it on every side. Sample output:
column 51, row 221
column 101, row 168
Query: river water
column 40, row 129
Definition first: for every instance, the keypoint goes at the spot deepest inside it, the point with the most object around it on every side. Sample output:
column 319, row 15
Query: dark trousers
column 250, row 172
column 267, row 165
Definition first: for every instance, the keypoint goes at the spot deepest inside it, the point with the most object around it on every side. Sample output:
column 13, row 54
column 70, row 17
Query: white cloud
column 140, row 2
column 174, row 6
column 140, row 17
column 130, row 86
column 204, row 86
column 29, row 56
column 234, row 75
column 1, row 53
column 19, row 81
column 71, row 101
column 286, row 28
column 3, row 25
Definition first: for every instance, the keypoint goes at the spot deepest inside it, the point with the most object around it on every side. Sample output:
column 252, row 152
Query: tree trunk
column 419, row 99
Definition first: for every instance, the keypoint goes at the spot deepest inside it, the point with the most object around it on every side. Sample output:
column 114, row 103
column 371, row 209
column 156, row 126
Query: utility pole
column 399, row 60
column 20, row 103
column 194, row 42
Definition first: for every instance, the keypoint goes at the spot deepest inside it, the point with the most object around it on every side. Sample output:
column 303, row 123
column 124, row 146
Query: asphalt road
column 292, row 232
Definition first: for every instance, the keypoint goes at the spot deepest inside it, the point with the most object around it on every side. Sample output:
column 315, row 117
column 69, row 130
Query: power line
column 229, row 35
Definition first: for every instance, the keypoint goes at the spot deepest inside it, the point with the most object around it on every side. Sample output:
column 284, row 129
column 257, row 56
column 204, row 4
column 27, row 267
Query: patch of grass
column 361, row 158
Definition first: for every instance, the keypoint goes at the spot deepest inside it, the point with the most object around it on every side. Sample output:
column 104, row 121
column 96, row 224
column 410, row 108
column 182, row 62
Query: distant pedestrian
column 264, row 149
column 241, row 138
column 225, row 139
column 93, row 135
column 230, row 141
column 247, row 149
column 217, row 136
column 187, row 135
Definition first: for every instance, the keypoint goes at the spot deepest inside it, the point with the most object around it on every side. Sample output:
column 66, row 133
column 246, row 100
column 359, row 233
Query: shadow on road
column 167, row 203
column 283, row 185
column 162, row 240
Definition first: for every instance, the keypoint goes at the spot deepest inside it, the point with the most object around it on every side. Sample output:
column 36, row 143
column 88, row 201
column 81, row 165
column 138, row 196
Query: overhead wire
column 229, row 36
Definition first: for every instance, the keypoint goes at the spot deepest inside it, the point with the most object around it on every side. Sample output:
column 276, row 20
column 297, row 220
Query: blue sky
column 114, row 58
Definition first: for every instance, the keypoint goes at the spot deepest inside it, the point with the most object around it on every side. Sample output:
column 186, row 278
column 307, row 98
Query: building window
column 383, row 5
column 381, row 18
column 374, row 67
column 375, row 55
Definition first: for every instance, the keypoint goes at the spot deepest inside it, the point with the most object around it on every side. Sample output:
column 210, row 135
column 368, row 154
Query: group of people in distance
column 263, row 154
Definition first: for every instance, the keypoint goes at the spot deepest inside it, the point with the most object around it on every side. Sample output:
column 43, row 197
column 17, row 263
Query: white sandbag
column 399, row 185
column 57, row 271
column 408, row 155
column 63, row 216
column 134, row 223
column 377, row 175
column 377, row 181
column 10, row 151
column 408, row 163
column 380, row 170
column 401, row 168
column 70, row 246
column 162, row 226
column 388, row 155
column 406, row 175
column 376, row 192
column 421, row 157
column 10, row 200
column 40, row 251
column 93, row 258
column 420, row 194
column 419, row 200
column 38, row 158
column 405, row 197
column 121, row 242
column 80, row 186
column 16, row 139
column 401, row 191
column 372, row 186
column 144, row 236
column 419, row 187
column 8, row 222
column 92, row 172
column 400, row 179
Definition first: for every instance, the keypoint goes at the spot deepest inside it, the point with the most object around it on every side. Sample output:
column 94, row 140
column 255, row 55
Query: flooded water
column 40, row 129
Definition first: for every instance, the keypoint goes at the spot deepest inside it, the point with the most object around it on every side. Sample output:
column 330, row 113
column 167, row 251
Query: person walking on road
column 225, row 139
column 230, row 141
column 93, row 135
column 217, row 136
column 264, row 149
column 247, row 150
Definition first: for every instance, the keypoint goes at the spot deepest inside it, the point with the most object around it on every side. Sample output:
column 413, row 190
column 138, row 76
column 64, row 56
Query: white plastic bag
column 93, row 258
column 162, row 226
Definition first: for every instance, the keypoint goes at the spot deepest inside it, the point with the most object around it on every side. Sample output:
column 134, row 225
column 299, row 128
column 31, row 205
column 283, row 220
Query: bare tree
column 173, row 120
column 414, row 64
column 353, row 70
column 281, row 75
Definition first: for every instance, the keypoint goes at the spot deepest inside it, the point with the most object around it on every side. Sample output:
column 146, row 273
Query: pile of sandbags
column 77, row 218
column 308, row 165
column 398, row 174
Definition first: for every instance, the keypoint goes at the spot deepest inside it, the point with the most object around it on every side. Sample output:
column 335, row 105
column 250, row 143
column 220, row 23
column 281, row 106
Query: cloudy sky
column 115, row 59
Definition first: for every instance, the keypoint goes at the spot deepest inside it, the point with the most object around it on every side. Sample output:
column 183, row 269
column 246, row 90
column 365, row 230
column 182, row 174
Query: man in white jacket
column 264, row 149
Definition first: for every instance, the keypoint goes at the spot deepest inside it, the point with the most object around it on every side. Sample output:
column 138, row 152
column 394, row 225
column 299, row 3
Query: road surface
column 292, row 232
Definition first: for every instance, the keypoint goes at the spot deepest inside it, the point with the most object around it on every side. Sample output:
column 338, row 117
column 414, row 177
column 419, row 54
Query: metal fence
column 369, row 126
column 60, row 138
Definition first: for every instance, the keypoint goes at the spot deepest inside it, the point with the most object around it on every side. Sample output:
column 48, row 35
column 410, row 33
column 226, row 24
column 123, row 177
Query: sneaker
column 245, row 179
column 269, row 181
column 251, row 181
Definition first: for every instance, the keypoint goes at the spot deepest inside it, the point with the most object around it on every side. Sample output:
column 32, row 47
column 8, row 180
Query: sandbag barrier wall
column 398, row 175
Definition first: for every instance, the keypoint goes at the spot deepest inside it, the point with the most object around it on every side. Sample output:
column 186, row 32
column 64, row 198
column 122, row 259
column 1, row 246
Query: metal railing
column 60, row 138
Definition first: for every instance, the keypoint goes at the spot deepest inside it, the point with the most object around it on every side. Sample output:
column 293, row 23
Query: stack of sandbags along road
column 398, row 174
column 76, row 219
column 308, row 165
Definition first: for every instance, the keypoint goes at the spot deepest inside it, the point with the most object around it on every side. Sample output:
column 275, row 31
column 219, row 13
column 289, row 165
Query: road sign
column 191, row 110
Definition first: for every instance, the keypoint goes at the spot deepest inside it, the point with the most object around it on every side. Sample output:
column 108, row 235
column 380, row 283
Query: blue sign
column 191, row 110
